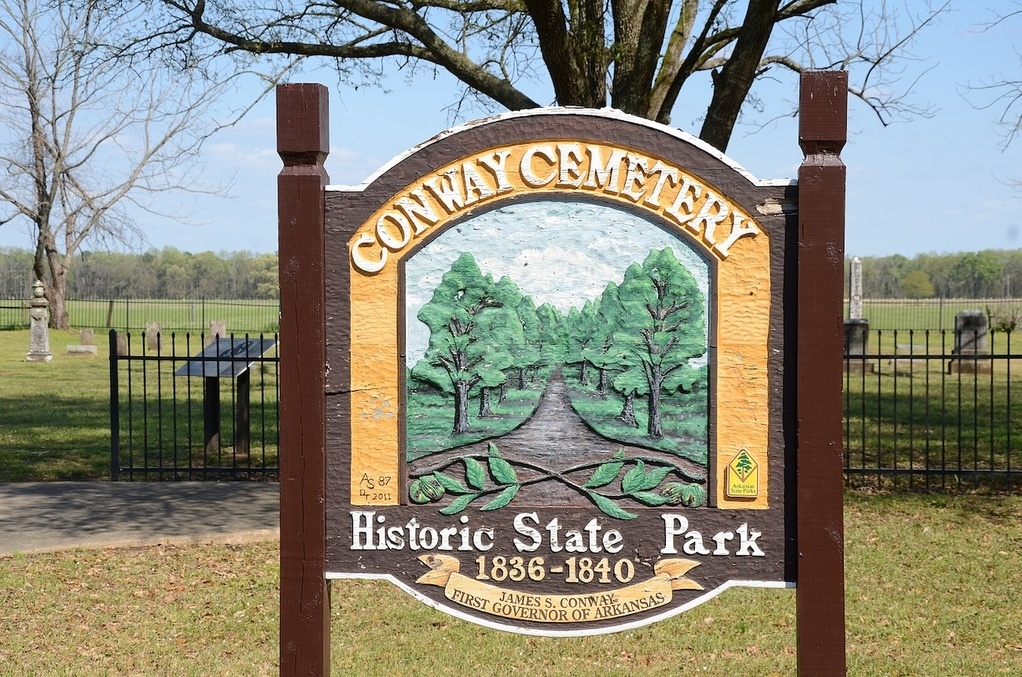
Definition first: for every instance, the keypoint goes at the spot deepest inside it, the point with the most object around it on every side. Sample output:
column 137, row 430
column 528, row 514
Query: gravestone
column 217, row 329
column 855, row 297
column 86, row 344
column 970, row 344
column 857, row 346
column 153, row 332
column 38, row 335
column 856, row 328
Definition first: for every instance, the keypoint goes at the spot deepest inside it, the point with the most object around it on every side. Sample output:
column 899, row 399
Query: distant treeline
column 167, row 273
column 976, row 275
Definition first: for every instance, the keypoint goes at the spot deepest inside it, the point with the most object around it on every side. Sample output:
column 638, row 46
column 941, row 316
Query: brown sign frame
column 810, row 275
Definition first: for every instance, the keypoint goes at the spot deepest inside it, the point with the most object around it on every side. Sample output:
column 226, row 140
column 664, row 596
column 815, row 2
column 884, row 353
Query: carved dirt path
column 555, row 438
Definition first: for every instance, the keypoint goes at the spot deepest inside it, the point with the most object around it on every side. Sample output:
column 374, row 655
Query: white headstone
column 39, row 319
column 855, row 300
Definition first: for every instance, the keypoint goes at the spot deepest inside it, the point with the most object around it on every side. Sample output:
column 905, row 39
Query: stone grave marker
column 216, row 328
column 970, row 343
column 86, row 344
column 153, row 332
column 38, row 333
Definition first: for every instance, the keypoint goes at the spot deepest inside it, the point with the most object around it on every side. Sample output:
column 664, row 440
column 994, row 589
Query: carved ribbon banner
column 637, row 597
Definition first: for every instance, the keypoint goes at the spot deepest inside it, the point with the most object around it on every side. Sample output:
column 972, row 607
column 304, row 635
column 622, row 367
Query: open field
column 180, row 315
column 930, row 592
column 932, row 314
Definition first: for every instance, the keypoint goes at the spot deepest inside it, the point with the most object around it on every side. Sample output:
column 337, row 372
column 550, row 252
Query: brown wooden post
column 820, row 596
column 302, row 143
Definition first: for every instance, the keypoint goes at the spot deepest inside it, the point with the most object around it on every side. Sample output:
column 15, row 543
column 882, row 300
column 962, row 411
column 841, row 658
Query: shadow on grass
column 54, row 437
column 945, row 431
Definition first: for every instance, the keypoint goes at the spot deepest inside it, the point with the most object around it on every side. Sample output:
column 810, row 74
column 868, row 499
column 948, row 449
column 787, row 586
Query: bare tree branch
column 1004, row 94
column 636, row 55
column 86, row 136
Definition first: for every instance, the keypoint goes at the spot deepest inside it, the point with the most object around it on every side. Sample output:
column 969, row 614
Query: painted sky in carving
column 558, row 252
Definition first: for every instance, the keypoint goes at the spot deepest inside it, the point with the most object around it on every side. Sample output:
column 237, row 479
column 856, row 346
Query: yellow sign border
column 690, row 207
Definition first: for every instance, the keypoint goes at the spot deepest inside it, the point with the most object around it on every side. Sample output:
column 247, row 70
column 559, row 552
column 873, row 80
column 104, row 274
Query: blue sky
column 930, row 185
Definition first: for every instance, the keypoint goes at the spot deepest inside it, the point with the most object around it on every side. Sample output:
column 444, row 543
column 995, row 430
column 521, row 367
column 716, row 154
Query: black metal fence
column 192, row 407
column 919, row 414
column 136, row 315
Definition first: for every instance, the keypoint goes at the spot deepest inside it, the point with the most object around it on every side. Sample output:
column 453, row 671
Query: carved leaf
column 475, row 474
column 605, row 474
column 450, row 484
column 503, row 498
column 609, row 507
column 458, row 504
column 650, row 498
column 501, row 469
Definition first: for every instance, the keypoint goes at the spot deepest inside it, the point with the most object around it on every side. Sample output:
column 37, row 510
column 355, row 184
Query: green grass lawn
column 930, row 591
column 181, row 315
column 933, row 314
column 914, row 416
column 55, row 416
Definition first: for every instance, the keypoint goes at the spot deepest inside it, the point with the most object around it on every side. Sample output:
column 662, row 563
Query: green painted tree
column 579, row 332
column 551, row 339
column 523, row 343
column 660, row 329
column 468, row 327
column 598, row 352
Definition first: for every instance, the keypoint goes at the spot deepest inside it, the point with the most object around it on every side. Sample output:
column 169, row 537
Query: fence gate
column 193, row 407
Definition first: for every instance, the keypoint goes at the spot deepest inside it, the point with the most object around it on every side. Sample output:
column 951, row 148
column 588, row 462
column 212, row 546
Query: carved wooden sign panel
column 556, row 374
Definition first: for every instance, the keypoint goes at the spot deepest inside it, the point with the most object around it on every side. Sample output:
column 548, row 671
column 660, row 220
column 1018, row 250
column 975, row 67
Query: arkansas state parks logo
column 556, row 346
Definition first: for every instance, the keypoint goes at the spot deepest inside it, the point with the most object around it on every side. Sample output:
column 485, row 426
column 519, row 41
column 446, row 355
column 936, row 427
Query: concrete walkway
column 48, row 516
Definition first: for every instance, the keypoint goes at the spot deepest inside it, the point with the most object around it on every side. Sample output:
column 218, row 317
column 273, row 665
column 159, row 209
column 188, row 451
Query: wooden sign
column 560, row 385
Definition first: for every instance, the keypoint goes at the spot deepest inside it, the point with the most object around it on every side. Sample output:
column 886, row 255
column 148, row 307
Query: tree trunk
column 602, row 387
column 503, row 393
column 654, row 427
column 639, row 29
column 460, row 407
column 574, row 51
column 484, row 403
column 51, row 270
column 583, row 373
column 628, row 411
column 731, row 86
